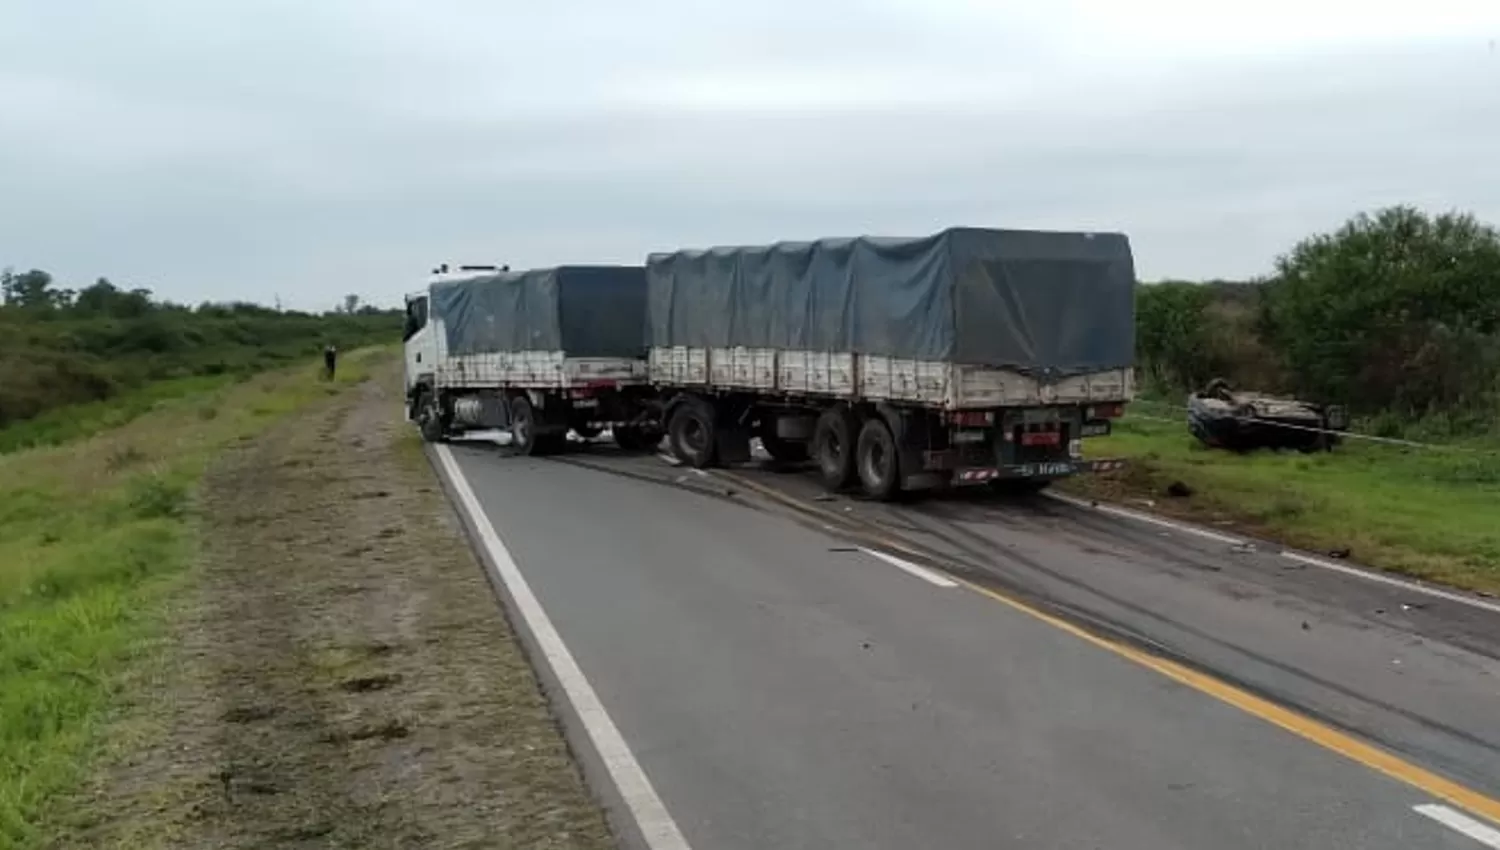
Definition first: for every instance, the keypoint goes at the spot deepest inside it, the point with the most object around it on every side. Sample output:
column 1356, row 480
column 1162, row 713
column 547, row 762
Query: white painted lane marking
column 1356, row 572
column 1148, row 518
column 1459, row 822
column 1393, row 582
column 930, row 576
column 650, row 813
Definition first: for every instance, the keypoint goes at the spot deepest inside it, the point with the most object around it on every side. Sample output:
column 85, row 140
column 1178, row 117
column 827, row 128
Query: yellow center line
column 1301, row 725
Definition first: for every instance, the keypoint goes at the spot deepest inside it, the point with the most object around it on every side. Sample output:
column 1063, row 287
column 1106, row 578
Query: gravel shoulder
column 339, row 673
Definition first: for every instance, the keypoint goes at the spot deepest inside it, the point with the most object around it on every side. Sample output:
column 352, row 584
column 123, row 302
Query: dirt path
column 340, row 675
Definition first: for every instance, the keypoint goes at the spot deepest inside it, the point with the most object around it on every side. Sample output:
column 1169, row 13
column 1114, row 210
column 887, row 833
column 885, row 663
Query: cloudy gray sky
column 217, row 149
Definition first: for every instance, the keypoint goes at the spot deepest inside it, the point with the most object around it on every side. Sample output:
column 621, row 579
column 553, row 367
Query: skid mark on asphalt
column 1305, row 727
column 1300, row 557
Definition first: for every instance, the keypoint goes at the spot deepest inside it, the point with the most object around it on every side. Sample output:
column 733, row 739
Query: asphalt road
column 782, row 684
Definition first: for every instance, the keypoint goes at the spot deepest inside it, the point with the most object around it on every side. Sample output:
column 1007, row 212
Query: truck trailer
column 968, row 357
column 537, row 352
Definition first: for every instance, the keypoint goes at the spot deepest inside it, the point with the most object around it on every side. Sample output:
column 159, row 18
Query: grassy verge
column 92, row 536
column 1425, row 513
column 74, row 422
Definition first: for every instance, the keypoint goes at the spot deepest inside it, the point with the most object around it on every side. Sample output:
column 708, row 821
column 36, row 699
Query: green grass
column 62, row 425
column 1429, row 513
column 94, row 536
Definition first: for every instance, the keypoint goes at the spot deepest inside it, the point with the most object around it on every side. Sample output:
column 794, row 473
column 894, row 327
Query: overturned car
column 1222, row 418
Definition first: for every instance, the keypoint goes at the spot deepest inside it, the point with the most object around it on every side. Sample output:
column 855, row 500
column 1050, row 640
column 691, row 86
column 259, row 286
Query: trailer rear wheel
column 833, row 446
column 877, row 460
column 692, row 434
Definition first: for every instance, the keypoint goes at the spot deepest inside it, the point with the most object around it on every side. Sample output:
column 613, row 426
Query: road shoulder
column 339, row 673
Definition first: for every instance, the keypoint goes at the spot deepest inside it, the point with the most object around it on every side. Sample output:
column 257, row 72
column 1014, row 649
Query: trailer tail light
column 1041, row 438
column 1105, row 411
column 971, row 418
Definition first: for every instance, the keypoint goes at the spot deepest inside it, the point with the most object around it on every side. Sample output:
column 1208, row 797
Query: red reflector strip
column 1040, row 438
column 977, row 474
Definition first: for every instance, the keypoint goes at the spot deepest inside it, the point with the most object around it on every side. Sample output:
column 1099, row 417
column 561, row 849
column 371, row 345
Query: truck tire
column 429, row 416
column 877, row 461
column 692, row 434
column 783, row 451
column 833, row 446
column 524, row 437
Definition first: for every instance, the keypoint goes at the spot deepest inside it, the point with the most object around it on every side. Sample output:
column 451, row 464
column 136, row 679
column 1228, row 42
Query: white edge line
column 1393, row 582
column 657, row 828
column 929, row 576
column 1148, row 518
column 1481, row 832
column 1322, row 563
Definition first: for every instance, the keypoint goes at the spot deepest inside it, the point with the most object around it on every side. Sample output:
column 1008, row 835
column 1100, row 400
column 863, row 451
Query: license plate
column 1034, row 469
column 586, row 402
column 1096, row 429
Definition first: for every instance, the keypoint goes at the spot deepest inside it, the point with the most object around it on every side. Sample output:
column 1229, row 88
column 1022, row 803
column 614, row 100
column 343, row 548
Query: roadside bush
column 1188, row 333
column 1395, row 311
column 1174, row 340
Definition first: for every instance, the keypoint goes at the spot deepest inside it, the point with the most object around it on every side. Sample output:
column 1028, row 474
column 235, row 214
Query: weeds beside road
column 300, row 649
column 1427, row 513
column 94, row 535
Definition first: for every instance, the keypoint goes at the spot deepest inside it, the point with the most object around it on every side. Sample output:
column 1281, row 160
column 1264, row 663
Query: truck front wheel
column 833, row 446
column 429, row 416
column 878, row 462
column 692, row 434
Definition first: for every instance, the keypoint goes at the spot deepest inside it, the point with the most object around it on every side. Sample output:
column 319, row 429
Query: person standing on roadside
column 330, row 360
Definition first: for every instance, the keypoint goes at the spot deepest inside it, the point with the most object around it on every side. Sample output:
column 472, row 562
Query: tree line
column 1396, row 314
column 62, row 345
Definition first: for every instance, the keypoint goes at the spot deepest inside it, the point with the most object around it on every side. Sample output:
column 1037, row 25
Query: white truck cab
column 419, row 338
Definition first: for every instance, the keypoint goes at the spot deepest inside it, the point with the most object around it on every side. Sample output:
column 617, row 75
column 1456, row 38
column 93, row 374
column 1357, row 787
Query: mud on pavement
column 339, row 674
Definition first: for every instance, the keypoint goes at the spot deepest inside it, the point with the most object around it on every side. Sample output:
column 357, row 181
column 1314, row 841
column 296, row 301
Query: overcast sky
column 302, row 149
